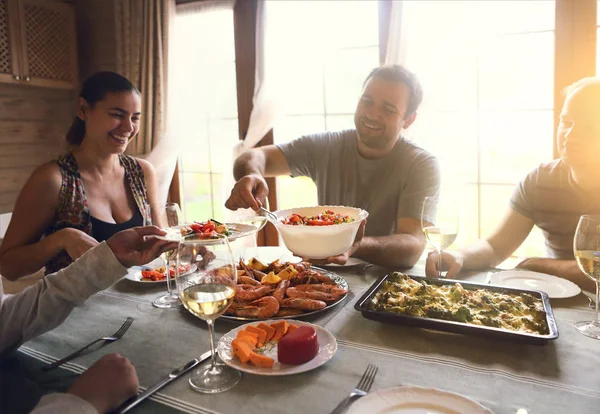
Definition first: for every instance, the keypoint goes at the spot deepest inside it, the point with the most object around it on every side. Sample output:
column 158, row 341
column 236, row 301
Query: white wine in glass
column 586, row 247
column 169, row 218
column 207, row 291
column 439, row 220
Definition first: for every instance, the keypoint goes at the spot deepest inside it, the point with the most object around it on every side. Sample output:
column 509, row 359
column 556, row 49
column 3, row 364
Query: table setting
column 221, row 346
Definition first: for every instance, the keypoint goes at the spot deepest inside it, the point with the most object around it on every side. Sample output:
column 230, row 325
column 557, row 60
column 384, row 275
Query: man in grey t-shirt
column 372, row 167
column 553, row 196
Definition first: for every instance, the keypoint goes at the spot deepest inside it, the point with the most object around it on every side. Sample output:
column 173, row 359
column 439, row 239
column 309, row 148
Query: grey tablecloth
column 561, row 377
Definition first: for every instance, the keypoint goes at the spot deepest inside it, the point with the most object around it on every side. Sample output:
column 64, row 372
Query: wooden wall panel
column 33, row 123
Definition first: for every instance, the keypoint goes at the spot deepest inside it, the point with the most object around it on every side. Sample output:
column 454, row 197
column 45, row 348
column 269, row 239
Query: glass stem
column 169, row 286
column 213, row 354
column 597, row 320
column 440, row 263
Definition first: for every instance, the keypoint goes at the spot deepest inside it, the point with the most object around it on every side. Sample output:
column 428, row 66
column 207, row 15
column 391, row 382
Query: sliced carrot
column 281, row 328
column 241, row 350
column 262, row 335
column 268, row 329
column 250, row 342
column 261, row 360
column 251, row 335
column 291, row 328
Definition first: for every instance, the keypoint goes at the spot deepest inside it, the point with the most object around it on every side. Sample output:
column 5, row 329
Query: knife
column 133, row 402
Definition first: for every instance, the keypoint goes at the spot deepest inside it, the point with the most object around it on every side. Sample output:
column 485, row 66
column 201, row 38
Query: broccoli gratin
column 515, row 312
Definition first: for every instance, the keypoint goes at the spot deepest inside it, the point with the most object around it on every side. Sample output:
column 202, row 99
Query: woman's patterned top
column 73, row 210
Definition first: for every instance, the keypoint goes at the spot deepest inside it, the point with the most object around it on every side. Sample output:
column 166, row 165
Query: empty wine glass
column 169, row 218
column 439, row 221
column 586, row 246
column 207, row 289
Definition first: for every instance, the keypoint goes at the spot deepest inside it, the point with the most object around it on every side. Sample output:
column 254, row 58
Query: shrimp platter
column 283, row 290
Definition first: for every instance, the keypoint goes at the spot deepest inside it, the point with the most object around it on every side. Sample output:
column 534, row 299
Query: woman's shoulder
column 46, row 174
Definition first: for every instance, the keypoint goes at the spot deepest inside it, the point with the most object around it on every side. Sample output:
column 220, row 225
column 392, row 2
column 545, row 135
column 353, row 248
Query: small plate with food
column 208, row 230
column 283, row 290
column 155, row 272
column 277, row 347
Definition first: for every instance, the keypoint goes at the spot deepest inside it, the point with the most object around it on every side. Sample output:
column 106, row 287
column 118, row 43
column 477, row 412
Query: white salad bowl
column 319, row 242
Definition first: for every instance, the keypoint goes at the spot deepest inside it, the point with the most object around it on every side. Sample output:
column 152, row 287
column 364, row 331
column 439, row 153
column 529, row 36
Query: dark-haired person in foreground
column 552, row 196
column 371, row 167
column 42, row 307
column 70, row 205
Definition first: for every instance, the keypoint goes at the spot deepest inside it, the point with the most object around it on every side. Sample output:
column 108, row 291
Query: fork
column 363, row 387
column 114, row 337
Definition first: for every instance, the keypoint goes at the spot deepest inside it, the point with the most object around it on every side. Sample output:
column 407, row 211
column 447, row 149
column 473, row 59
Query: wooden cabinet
column 38, row 43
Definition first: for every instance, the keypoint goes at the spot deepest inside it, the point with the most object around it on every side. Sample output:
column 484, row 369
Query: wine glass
column 439, row 221
column 207, row 289
column 169, row 218
column 256, row 219
column 586, row 246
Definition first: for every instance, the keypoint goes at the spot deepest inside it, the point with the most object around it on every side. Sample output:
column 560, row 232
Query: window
column 339, row 50
column 487, row 70
column 598, row 38
column 204, row 109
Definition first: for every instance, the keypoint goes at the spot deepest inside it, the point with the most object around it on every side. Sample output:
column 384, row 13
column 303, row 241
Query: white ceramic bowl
column 319, row 242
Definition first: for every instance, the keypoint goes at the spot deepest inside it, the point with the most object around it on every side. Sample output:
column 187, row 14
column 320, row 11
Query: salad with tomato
column 328, row 218
column 211, row 229
column 159, row 273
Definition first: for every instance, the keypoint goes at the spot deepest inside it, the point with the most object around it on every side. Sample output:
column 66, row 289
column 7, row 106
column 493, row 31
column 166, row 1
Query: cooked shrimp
column 247, row 280
column 280, row 290
column 313, row 294
column 321, row 287
column 266, row 307
column 250, row 292
column 303, row 303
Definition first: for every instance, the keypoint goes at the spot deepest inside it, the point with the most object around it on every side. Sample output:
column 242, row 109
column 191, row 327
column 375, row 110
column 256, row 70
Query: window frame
column 574, row 58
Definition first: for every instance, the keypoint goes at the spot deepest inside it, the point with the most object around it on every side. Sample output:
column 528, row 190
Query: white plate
column 237, row 230
column 416, row 400
column 327, row 348
column 135, row 273
column 352, row 261
column 555, row 287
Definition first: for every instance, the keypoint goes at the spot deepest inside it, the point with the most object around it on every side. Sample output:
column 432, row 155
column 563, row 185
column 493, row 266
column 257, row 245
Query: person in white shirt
column 42, row 307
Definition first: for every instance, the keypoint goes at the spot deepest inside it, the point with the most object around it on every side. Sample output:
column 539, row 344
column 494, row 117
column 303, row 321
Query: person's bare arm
column 567, row 269
column 22, row 252
column 402, row 249
column 249, row 171
column 267, row 161
column 506, row 238
column 151, row 181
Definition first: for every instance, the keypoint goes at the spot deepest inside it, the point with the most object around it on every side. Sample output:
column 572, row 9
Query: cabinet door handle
column 16, row 77
column 27, row 78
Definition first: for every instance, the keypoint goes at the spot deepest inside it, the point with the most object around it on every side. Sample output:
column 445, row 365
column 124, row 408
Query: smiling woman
column 93, row 191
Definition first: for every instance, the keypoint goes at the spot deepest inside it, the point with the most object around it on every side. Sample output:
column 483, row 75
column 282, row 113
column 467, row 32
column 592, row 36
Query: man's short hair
column 590, row 81
column 399, row 74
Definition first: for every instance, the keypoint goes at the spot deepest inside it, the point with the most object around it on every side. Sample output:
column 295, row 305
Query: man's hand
column 343, row 258
column 452, row 261
column 107, row 383
column 249, row 192
column 136, row 246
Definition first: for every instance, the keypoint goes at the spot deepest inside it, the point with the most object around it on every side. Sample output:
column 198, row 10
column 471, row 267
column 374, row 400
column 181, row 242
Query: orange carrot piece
column 262, row 335
column 281, row 328
column 261, row 360
column 247, row 340
column 251, row 335
column 291, row 328
column 241, row 350
column 268, row 329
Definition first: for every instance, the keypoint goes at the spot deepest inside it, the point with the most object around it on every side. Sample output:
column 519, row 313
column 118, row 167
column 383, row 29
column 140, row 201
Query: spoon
column 270, row 215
